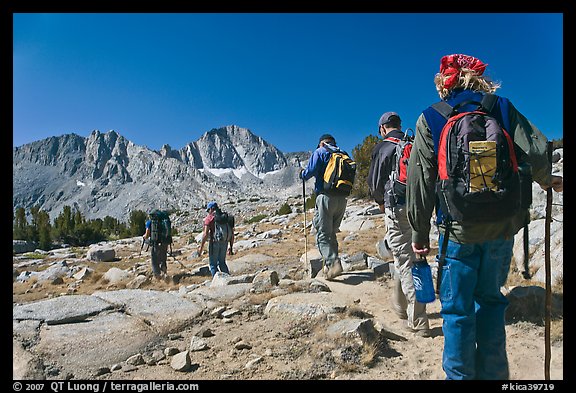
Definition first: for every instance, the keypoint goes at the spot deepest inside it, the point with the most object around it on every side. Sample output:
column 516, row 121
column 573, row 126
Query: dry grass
column 260, row 298
column 372, row 351
column 95, row 277
column 557, row 330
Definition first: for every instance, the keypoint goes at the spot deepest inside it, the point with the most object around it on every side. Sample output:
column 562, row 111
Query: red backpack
column 399, row 172
column 478, row 178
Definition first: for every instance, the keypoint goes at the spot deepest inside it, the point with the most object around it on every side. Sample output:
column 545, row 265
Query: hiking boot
column 419, row 332
column 424, row 333
column 335, row 270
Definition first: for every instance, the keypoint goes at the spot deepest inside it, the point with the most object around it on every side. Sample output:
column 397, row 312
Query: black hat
column 326, row 137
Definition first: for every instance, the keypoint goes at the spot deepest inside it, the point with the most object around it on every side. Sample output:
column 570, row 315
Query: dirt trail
column 290, row 350
column 525, row 341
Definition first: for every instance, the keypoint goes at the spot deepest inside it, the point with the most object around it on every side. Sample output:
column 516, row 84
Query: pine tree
column 363, row 155
column 20, row 224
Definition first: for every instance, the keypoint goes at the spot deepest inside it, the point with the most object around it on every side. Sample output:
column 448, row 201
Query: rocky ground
column 253, row 345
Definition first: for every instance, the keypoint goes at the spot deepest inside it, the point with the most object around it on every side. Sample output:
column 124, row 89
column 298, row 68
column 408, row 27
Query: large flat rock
column 63, row 309
column 302, row 305
column 164, row 311
column 81, row 348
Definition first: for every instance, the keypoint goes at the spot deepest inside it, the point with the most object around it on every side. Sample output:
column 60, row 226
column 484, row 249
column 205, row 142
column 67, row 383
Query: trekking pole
column 305, row 224
column 548, row 273
column 526, row 272
column 174, row 256
column 144, row 241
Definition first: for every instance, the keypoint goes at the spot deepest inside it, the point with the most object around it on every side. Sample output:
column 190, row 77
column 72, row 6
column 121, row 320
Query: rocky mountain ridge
column 105, row 174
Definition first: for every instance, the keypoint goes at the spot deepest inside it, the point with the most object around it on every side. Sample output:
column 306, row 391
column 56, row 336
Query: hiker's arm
column 420, row 193
column 377, row 178
column 146, row 234
column 312, row 167
column 204, row 237
column 534, row 146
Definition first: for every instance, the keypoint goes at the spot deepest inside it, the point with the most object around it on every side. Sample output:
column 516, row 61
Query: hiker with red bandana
column 476, row 255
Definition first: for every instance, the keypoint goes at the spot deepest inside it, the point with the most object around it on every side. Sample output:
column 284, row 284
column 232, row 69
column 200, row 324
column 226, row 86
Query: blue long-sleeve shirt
column 317, row 166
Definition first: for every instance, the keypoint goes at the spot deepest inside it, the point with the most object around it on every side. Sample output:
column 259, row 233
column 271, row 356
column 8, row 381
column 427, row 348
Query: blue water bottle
column 423, row 284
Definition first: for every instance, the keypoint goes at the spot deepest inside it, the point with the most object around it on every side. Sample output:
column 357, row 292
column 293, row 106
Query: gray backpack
column 223, row 227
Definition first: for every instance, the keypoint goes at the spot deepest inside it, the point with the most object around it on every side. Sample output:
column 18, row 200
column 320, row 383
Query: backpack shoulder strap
column 447, row 111
column 332, row 149
column 444, row 108
column 488, row 102
column 392, row 139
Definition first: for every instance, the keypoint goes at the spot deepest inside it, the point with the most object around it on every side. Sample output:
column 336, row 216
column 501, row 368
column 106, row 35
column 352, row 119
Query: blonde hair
column 467, row 79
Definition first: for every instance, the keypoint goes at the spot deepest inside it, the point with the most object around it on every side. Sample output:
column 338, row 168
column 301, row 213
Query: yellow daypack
column 339, row 174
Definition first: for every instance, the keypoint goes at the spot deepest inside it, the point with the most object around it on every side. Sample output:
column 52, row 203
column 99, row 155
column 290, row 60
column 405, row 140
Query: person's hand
column 199, row 250
column 300, row 173
column 230, row 252
column 557, row 184
column 382, row 208
column 421, row 249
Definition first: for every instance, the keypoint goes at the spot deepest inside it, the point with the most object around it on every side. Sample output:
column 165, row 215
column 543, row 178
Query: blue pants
column 473, row 309
column 217, row 257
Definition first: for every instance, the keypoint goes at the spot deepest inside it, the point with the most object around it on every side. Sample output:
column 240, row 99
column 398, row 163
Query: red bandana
column 451, row 65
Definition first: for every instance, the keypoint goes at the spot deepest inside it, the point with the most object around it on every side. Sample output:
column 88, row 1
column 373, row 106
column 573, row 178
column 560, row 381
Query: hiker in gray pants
column 392, row 202
column 328, row 214
column 399, row 236
column 329, row 210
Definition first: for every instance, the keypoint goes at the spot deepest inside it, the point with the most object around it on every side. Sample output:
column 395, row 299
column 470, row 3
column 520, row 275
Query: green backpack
column 160, row 227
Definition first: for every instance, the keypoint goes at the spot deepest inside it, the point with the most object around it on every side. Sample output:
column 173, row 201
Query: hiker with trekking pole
column 334, row 171
column 468, row 163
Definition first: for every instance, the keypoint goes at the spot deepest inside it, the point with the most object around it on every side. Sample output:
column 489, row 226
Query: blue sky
column 160, row 78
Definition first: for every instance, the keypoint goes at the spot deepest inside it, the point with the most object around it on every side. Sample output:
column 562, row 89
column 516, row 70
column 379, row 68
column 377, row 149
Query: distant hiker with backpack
column 219, row 231
column 159, row 235
column 473, row 169
column 334, row 171
column 387, row 185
